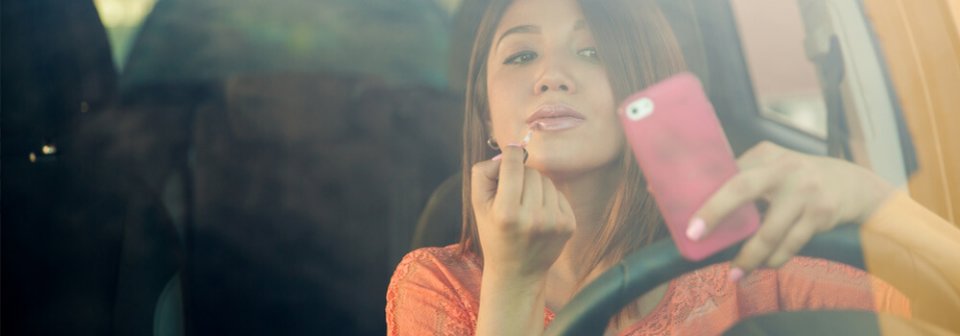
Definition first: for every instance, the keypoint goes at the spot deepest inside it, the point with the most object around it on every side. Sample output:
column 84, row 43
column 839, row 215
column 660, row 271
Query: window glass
column 786, row 84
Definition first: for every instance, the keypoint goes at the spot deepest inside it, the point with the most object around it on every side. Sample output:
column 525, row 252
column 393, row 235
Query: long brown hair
column 637, row 48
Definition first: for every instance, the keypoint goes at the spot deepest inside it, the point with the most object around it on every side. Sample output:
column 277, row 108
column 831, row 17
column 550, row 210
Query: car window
column 785, row 81
column 293, row 144
column 793, row 48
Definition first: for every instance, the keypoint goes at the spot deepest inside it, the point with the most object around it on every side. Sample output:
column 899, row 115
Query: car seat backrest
column 309, row 186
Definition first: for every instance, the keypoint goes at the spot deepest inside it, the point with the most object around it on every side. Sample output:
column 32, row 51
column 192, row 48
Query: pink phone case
column 684, row 154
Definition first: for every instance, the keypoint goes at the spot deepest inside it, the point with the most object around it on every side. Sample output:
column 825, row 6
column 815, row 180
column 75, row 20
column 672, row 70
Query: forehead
column 543, row 13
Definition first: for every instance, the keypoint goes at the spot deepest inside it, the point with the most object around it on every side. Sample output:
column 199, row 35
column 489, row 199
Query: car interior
column 255, row 169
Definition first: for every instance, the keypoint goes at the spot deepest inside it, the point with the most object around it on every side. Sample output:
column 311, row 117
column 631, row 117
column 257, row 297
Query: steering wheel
column 590, row 310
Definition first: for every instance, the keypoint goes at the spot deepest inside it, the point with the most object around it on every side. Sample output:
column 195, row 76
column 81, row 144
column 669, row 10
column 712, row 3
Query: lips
column 555, row 117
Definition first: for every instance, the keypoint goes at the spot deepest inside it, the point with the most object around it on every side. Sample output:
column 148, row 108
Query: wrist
column 882, row 190
column 514, row 279
column 511, row 304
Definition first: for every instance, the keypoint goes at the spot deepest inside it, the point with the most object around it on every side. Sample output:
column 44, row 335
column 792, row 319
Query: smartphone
column 685, row 157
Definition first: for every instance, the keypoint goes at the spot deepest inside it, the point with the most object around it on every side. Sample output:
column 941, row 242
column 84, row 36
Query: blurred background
column 217, row 167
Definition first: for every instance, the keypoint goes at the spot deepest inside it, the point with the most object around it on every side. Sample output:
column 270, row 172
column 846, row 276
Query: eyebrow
column 531, row 29
column 524, row 29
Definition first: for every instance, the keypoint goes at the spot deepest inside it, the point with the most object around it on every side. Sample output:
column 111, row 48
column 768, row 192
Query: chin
column 567, row 166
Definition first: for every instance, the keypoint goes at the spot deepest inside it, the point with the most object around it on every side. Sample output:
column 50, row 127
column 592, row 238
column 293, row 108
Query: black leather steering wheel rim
column 590, row 310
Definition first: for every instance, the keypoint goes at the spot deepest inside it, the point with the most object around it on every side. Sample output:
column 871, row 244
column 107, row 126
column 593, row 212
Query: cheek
column 505, row 96
column 498, row 102
column 613, row 137
column 603, row 101
column 604, row 93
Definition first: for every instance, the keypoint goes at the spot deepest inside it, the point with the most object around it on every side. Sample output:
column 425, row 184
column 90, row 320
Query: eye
column 588, row 53
column 522, row 57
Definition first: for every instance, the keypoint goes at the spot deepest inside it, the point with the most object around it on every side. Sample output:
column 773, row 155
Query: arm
column 523, row 223
column 509, row 305
column 919, row 253
column 904, row 244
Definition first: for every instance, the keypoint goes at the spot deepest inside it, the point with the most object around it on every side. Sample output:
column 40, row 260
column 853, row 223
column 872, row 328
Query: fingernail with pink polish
column 696, row 228
column 735, row 275
column 497, row 158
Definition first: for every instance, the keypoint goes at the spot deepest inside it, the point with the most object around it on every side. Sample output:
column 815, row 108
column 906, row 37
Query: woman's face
column 543, row 70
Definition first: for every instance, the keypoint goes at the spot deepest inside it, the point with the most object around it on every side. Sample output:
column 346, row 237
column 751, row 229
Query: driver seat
column 440, row 221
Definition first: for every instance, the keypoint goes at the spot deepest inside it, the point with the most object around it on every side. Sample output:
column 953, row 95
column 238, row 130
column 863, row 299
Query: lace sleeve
column 422, row 299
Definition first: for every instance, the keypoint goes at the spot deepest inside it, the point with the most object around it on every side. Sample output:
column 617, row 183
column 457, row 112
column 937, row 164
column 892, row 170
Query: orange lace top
column 436, row 291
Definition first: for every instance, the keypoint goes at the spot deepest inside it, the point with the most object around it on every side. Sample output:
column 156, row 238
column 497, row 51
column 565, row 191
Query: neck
column 589, row 195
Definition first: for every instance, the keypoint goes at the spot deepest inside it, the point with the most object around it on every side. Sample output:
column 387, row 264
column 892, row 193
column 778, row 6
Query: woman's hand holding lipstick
column 523, row 221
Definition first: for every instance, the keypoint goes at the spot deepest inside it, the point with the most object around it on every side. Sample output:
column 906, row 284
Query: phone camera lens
column 640, row 109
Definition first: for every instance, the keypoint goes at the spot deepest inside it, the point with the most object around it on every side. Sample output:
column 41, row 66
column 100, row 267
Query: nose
column 554, row 77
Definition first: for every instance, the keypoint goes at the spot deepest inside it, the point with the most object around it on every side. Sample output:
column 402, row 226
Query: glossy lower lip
column 555, row 124
column 555, row 117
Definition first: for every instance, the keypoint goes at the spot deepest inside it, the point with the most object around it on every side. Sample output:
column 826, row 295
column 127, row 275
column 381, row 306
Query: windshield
column 261, row 167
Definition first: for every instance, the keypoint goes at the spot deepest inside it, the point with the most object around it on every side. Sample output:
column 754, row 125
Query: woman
column 537, row 228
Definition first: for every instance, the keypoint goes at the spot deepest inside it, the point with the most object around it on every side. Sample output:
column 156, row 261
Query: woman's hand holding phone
column 806, row 195
column 523, row 221
column 707, row 198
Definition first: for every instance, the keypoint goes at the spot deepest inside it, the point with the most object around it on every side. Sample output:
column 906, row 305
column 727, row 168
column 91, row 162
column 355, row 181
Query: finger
column 551, row 213
column 550, row 194
column 532, row 189
column 565, row 207
column 818, row 215
column 744, row 187
column 782, row 216
column 511, row 178
column 566, row 218
column 798, row 237
column 483, row 181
